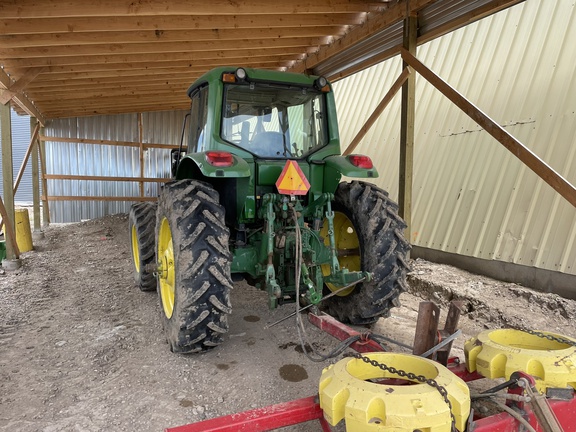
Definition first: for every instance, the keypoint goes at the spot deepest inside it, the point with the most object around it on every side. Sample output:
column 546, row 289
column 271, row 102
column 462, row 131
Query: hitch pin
column 333, row 293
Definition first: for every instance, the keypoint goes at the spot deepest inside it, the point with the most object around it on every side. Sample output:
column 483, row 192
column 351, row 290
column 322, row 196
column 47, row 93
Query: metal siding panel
column 105, row 160
column 472, row 196
column 20, row 140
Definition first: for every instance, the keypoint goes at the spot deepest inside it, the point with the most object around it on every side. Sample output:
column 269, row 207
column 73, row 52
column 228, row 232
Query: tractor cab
column 273, row 120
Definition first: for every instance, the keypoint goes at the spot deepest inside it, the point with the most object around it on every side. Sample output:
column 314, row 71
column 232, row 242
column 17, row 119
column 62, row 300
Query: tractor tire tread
column 383, row 253
column 202, row 265
column 143, row 217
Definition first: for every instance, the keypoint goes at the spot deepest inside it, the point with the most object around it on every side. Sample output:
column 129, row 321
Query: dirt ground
column 82, row 349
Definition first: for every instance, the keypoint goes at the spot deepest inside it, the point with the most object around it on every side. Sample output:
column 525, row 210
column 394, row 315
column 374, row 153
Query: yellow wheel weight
column 166, row 273
column 499, row 353
column 346, row 394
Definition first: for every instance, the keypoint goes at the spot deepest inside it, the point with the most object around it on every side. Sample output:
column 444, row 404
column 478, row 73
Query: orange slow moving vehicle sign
column 292, row 180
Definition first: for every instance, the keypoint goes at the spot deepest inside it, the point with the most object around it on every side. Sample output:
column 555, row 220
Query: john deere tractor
column 257, row 194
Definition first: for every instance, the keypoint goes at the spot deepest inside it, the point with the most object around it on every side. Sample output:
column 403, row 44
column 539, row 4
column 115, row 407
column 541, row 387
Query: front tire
column 141, row 224
column 369, row 237
column 194, row 266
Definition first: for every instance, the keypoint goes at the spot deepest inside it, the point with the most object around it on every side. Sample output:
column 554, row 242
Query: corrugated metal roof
column 471, row 196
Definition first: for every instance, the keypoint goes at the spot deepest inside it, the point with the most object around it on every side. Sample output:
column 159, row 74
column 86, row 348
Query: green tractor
column 256, row 195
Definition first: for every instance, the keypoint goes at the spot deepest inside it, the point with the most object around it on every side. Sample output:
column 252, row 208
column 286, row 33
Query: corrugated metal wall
column 20, row 142
column 471, row 196
column 106, row 160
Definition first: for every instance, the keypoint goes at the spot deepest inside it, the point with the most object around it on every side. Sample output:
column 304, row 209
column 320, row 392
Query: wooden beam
column 393, row 14
column 66, row 95
column 45, row 207
column 12, row 251
column 141, row 151
column 173, row 22
column 153, row 36
column 271, row 61
column 7, row 209
column 44, row 138
column 78, row 112
column 22, row 101
column 161, row 47
column 198, row 56
column 97, row 198
column 529, row 158
column 35, row 177
column 408, row 109
column 20, row 85
column 105, row 178
column 48, row 87
column 26, row 157
column 378, row 110
column 115, row 8
column 127, row 100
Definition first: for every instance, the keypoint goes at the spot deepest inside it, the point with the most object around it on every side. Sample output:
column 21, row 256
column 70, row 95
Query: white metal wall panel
column 471, row 196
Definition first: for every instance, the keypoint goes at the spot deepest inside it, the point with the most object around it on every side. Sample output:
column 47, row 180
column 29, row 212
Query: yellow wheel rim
column 166, row 273
column 347, row 247
column 135, row 250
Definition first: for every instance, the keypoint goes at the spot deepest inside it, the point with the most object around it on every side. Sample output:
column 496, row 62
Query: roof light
column 320, row 83
column 241, row 74
column 219, row 158
column 361, row 161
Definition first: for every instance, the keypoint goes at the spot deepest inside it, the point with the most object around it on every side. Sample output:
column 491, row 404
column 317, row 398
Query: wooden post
column 35, row 181
column 45, row 208
column 140, row 140
column 527, row 156
column 33, row 138
column 426, row 327
column 8, row 177
column 407, row 130
column 9, row 232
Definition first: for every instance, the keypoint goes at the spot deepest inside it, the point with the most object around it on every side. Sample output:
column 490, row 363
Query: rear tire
column 194, row 272
column 141, row 224
column 373, row 218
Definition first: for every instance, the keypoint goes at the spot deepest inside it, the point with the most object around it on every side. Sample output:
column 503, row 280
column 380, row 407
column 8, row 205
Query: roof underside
column 68, row 58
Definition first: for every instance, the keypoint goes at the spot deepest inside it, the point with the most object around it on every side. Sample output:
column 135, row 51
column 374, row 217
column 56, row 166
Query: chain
column 413, row 377
column 550, row 337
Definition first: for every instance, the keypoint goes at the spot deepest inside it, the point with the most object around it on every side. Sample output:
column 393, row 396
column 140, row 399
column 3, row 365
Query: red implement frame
column 308, row 409
column 262, row 419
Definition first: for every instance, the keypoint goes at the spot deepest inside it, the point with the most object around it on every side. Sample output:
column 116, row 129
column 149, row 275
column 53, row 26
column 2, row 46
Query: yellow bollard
column 23, row 234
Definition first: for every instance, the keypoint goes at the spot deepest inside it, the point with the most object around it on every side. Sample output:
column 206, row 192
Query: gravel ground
column 82, row 349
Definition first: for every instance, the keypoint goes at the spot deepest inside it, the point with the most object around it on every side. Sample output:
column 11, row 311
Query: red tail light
column 361, row 161
column 219, row 158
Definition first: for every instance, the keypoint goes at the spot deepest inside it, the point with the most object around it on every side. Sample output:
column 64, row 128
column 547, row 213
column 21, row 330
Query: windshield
column 273, row 120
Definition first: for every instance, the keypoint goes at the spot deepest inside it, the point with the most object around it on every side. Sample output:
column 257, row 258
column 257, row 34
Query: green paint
column 263, row 121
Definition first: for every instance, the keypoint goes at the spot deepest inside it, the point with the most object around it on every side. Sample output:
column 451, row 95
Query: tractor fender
column 343, row 165
column 347, row 391
column 196, row 165
column 550, row 358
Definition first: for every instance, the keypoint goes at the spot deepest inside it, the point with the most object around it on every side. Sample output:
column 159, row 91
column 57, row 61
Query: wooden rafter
column 111, row 56
column 22, row 101
column 125, row 23
column 76, row 8
column 25, row 79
